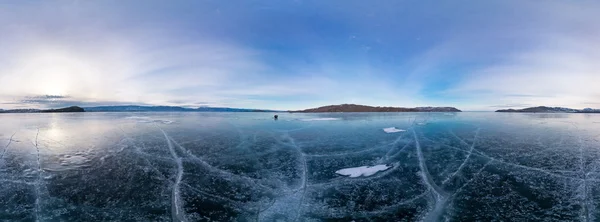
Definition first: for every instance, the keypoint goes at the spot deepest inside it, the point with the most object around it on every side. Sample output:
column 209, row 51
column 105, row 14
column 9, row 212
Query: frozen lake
column 249, row 167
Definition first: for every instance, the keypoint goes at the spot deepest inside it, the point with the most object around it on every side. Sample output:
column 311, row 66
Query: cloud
column 563, row 76
column 512, row 105
column 53, row 101
column 284, row 55
column 558, row 69
column 98, row 58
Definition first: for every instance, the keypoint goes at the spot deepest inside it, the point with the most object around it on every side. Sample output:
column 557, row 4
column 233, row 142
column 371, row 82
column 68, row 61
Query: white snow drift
column 393, row 130
column 362, row 171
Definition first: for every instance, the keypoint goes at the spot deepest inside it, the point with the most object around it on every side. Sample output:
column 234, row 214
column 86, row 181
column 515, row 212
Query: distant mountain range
column 323, row 109
column 132, row 108
column 362, row 108
column 169, row 109
column 545, row 109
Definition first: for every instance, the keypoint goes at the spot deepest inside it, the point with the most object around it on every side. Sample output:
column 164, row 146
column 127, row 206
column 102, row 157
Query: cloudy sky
column 474, row 55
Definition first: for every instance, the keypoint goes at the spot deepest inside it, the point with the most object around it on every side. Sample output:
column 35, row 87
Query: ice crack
column 481, row 154
column 7, row 145
column 466, row 159
column 177, row 212
column 302, row 158
column 143, row 155
column 586, row 215
column 39, row 178
column 438, row 193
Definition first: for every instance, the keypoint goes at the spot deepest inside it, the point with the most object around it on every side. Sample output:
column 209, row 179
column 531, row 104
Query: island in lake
column 71, row 109
column 363, row 108
column 546, row 109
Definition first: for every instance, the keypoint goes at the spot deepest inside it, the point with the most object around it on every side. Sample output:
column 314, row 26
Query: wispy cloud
column 514, row 105
column 558, row 68
column 53, row 101
column 293, row 55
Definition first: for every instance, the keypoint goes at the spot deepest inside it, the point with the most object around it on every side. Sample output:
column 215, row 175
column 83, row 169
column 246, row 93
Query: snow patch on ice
column 146, row 119
column 73, row 160
column 137, row 117
column 69, row 162
column 362, row 171
column 162, row 121
column 392, row 130
column 320, row 119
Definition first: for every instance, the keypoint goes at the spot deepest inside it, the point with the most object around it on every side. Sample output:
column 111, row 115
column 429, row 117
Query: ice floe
column 392, row 130
column 362, row 171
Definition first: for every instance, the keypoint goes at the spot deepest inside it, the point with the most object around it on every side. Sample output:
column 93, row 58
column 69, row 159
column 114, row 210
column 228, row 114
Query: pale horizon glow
column 289, row 55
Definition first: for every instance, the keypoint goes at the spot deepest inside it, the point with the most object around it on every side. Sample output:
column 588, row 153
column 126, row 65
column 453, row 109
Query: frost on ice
column 362, row 171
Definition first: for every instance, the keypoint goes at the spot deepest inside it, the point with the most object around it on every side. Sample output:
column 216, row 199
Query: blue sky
column 474, row 55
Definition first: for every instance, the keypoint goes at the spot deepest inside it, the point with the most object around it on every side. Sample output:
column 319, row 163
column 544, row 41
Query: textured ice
column 362, row 171
column 249, row 167
column 392, row 130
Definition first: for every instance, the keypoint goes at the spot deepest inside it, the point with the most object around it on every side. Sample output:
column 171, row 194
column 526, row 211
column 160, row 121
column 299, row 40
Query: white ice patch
column 362, row 171
column 69, row 162
column 73, row 160
column 138, row 117
column 145, row 119
column 320, row 119
column 392, row 130
column 162, row 121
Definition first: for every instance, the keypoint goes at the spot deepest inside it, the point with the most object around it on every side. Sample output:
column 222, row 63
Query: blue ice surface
column 249, row 167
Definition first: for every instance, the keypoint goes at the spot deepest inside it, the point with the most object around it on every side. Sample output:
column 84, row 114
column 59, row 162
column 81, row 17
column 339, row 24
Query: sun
column 56, row 73
column 56, row 84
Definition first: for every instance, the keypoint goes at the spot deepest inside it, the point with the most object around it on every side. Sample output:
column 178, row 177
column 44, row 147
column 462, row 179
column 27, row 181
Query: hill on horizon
column 363, row 108
column 546, row 109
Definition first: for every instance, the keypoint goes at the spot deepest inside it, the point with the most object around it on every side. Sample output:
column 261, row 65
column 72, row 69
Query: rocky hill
column 363, row 108
column 546, row 109
column 72, row 109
